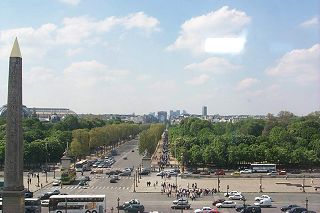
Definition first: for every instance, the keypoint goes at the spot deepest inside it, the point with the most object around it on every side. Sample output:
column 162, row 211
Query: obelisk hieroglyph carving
column 13, row 192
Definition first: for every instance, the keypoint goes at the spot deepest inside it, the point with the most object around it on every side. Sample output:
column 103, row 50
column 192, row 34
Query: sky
column 116, row 56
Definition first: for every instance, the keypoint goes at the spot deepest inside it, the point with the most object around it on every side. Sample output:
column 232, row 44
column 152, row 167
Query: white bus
column 77, row 204
column 82, row 166
column 263, row 167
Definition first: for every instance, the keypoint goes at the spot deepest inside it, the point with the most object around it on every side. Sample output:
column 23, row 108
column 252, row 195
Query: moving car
column 180, row 200
column 28, row 194
column 227, row 194
column 181, row 206
column 144, row 172
column 251, row 209
column 262, row 197
column 246, row 171
column 226, row 204
column 282, row 172
column 44, row 203
column 237, row 197
column 264, row 203
column 220, row 172
column 217, row 201
column 134, row 208
column 297, row 210
column 113, row 180
column 204, row 210
column 272, row 173
column 56, row 182
column 288, row 207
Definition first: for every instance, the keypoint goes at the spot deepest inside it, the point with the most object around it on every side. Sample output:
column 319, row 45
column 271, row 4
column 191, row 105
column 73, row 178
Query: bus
column 263, row 167
column 67, row 177
column 77, row 204
column 32, row 205
column 82, row 166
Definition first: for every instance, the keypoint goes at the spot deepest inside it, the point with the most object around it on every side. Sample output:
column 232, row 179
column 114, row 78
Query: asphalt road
column 155, row 201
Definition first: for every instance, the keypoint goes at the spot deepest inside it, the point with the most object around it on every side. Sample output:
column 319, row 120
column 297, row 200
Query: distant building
column 25, row 111
column 174, row 114
column 204, row 111
column 162, row 116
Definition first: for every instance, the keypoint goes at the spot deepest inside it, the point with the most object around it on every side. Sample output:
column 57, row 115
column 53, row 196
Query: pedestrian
column 311, row 181
column 41, row 185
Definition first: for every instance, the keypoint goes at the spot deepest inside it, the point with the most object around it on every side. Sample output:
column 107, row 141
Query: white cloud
column 71, row 2
column 301, row 65
column 140, row 20
column 224, row 22
column 214, row 65
column 91, row 73
column 75, row 51
column 201, row 79
column 313, row 22
column 247, row 83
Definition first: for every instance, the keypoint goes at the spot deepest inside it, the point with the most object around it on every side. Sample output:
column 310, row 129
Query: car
column 227, row 194
column 132, row 150
column 308, row 212
column 181, row 206
column 113, row 172
column 236, row 174
column 226, row 204
column 246, row 171
column 236, row 197
column 217, row 201
column 161, row 173
column 115, row 177
column 272, row 173
column 263, row 203
column 135, row 208
column 180, row 200
column 262, row 197
column 296, row 210
column 185, row 174
column 220, row 172
column 86, row 178
column 282, row 172
column 251, row 209
column 56, row 182
column 205, row 173
column 144, row 172
column 204, row 210
column 113, row 180
column 83, row 183
column 28, row 194
column 45, row 196
column 288, row 207
column 125, row 158
column 125, row 173
column 45, row 203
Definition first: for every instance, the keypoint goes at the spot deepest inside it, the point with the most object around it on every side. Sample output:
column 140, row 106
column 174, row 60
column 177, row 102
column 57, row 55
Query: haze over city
column 140, row 56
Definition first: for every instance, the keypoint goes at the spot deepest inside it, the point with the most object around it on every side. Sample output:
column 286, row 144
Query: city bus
column 263, row 167
column 82, row 166
column 32, row 205
column 77, row 204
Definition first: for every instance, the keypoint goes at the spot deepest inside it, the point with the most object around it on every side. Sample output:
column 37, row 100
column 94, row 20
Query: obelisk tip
column 15, row 52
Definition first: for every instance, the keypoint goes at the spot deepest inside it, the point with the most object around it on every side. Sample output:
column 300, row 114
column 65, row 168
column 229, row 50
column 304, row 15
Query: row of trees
column 285, row 139
column 148, row 139
column 46, row 142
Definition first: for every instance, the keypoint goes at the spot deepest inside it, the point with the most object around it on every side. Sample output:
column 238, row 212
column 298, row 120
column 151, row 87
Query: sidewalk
column 33, row 187
column 239, row 184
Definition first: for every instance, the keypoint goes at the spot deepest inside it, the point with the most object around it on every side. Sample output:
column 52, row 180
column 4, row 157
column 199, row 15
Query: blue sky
column 99, row 56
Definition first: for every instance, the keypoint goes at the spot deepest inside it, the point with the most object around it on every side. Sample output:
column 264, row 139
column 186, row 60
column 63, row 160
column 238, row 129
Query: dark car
column 297, row 210
column 134, row 208
column 144, row 172
column 288, row 207
column 113, row 180
column 125, row 173
column 113, row 172
column 220, row 172
column 45, row 196
column 181, row 206
column 85, row 178
column 28, row 194
column 251, row 209
column 217, row 201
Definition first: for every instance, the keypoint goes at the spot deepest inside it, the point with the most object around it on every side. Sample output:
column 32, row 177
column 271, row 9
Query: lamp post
column 28, row 181
column 54, row 171
column 137, row 177
column 218, row 183
column 303, row 183
column 134, row 182
column 227, row 190
column 307, row 203
column 140, row 171
column 111, row 209
column 118, row 203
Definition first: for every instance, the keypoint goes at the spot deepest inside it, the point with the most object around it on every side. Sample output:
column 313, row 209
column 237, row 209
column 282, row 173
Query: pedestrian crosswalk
column 96, row 187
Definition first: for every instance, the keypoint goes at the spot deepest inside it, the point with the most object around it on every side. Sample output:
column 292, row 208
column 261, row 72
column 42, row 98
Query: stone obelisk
column 13, row 192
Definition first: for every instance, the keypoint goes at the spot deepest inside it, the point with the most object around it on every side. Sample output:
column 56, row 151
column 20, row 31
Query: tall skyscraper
column 204, row 111
column 13, row 192
column 162, row 116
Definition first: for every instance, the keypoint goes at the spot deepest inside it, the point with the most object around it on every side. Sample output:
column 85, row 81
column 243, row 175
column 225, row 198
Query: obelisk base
column 12, row 198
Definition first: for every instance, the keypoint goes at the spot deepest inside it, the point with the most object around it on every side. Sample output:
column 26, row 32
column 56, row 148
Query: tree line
column 148, row 139
column 285, row 139
column 47, row 141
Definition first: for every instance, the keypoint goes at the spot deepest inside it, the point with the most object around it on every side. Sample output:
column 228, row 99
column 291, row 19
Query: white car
column 44, row 203
column 262, row 197
column 226, row 204
column 236, row 197
column 231, row 193
column 272, row 173
column 263, row 203
column 203, row 210
column 56, row 182
column 182, row 200
column 246, row 171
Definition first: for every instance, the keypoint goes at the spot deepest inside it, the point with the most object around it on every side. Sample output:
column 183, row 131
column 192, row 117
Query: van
column 264, row 203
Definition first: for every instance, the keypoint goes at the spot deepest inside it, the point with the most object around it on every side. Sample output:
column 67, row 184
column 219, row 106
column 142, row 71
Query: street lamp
column 303, row 183
column 137, row 177
column 227, row 190
column 307, row 203
column 118, row 203
column 218, row 183
column 134, row 182
column 260, row 185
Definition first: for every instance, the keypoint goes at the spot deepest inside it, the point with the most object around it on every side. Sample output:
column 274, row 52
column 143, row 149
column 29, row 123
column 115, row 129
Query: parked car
column 134, row 208
column 180, row 200
column 237, row 197
column 288, row 207
column 226, row 204
column 262, row 197
column 296, row 210
column 181, row 206
column 246, row 171
column 231, row 193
